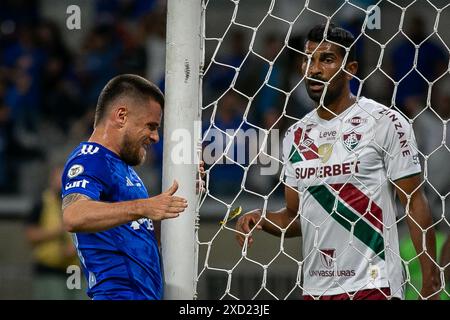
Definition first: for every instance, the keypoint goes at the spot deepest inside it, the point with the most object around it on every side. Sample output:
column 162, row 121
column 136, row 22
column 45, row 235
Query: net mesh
column 253, row 91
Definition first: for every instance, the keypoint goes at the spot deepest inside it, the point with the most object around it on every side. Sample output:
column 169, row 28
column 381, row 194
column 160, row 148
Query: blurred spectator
column 12, row 151
column 60, row 89
column 53, row 248
column 226, row 175
column 4, row 120
column 268, row 99
column 99, row 61
column 19, row 11
column 24, row 62
column 153, row 36
column 432, row 62
column 354, row 25
column 299, row 103
column 430, row 135
column 133, row 58
column 220, row 77
column 112, row 10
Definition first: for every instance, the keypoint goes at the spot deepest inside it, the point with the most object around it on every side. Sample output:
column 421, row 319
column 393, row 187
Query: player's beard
column 334, row 90
column 132, row 153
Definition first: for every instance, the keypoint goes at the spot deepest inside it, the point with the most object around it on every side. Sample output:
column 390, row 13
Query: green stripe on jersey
column 344, row 216
column 294, row 155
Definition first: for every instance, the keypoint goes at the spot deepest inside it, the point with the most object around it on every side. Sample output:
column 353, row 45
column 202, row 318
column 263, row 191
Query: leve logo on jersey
column 304, row 148
column 351, row 140
column 327, row 257
column 89, row 149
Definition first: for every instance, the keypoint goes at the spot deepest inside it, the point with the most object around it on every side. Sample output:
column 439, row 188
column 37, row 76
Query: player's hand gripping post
column 200, row 183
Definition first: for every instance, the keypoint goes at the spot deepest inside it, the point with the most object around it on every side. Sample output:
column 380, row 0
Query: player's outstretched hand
column 165, row 205
column 245, row 224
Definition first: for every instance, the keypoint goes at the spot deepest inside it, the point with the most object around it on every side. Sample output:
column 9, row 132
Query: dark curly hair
column 334, row 34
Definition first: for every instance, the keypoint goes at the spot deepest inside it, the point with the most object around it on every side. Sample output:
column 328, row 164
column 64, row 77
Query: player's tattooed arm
column 72, row 198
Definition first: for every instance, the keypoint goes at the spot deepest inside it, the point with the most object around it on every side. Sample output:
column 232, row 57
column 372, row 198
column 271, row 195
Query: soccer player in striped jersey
column 106, row 205
column 343, row 164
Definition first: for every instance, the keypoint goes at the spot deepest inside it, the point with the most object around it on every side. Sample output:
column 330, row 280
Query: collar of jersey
column 105, row 149
column 341, row 116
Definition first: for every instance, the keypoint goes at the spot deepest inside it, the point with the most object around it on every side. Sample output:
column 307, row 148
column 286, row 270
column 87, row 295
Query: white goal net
column 253, row 90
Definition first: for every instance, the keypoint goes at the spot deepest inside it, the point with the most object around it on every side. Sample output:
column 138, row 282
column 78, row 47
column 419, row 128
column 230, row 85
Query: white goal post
column 211, row 80
column 182, row 111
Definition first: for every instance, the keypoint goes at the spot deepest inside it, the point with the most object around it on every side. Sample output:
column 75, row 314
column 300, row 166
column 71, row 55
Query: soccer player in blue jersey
column 105, row 204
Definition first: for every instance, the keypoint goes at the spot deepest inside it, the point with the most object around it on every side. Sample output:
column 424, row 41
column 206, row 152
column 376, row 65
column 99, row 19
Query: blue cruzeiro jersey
column 122, row 262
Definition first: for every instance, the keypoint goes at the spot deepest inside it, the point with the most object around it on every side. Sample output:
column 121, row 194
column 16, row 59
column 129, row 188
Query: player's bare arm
column 445, row 259
column 82, row 214
column 285, row 218
column 71, row 198
column 420, row 219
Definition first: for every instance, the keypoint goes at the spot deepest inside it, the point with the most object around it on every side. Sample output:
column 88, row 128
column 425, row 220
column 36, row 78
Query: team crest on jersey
column 75, row 170
column 351, row 140
column 327, row 257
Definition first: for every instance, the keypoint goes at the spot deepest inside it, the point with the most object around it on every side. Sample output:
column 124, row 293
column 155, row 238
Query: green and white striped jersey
column 343, row 169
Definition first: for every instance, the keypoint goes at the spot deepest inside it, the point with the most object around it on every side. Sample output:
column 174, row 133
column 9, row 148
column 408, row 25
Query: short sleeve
column 86, row 175
column 288, row 168
column 398, row 143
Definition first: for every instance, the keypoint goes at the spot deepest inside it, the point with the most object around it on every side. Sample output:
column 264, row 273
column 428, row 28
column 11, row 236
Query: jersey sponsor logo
column 332, row 273
column 304, row 148
column 329, row 135
column 400, row 131
column 356, row 121
column 328, row 171
column 325, row 151
column 136, row 225
column 327, row 257
column 89, row 149
column 77, row 184
column 351, row 140
column 75, row 170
